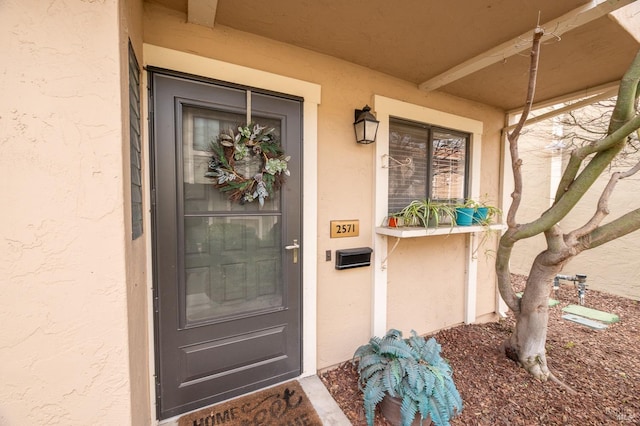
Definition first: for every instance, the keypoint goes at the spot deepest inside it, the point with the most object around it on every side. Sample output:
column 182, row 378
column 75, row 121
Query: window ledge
column 414, row 232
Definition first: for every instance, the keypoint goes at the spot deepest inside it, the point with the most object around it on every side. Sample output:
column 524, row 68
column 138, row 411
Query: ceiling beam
column 555, row 28
column 202, row 12
column 627, row 18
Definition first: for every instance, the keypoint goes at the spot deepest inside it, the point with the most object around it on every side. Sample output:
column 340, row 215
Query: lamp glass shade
column 366, row 126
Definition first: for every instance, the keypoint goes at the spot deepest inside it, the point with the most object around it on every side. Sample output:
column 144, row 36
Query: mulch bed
column 602, row 366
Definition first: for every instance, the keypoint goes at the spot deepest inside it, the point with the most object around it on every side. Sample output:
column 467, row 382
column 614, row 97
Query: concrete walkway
column 325, row 405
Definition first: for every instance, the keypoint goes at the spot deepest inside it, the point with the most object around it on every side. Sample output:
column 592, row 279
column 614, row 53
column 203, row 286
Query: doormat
column 282, row 405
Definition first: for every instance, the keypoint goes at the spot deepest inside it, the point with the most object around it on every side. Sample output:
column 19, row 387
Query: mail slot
column 353, row 258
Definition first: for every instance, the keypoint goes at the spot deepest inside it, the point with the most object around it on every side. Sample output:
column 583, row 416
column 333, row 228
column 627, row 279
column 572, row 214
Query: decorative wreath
column 229, row 149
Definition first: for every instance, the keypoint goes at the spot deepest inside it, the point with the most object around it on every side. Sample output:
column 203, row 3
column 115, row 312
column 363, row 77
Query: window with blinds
column 426, row 162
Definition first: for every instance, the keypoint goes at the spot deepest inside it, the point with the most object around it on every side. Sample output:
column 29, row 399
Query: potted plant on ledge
column 473, row 212
column 409, row 378
column 464, row 213
column 427, row 213
column 484, row 213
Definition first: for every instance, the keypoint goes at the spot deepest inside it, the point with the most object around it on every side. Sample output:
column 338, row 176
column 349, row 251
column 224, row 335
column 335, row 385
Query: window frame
column 385, row 108
column 430, row 130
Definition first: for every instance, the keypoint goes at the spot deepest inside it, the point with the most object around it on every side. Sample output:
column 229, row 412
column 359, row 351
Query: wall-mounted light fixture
column 365, row 125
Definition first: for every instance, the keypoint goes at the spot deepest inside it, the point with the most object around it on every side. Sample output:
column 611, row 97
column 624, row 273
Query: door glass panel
column 233, row 252
column 200, row 127
column 232, row 266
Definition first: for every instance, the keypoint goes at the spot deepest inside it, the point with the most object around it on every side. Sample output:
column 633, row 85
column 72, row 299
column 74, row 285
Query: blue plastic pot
column 464, row 216
column 480, row 215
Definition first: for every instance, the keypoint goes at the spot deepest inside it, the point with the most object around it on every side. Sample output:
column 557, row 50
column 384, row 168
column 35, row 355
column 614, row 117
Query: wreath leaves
column 248, row 142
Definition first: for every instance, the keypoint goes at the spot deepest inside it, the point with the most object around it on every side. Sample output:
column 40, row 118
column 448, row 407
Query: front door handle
column 295, row 246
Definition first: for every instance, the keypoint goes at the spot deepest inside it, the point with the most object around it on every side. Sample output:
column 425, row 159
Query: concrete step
column 594, row 314
column 585, row 321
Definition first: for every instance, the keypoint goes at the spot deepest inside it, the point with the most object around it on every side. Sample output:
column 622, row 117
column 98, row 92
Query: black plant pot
column 390, row 409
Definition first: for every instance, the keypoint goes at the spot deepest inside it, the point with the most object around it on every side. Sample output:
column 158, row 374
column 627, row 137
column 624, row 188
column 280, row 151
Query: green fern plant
column 410, row 369
column 427, row 212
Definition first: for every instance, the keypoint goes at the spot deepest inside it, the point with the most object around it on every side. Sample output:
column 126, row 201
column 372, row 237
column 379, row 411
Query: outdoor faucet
column 579, row 281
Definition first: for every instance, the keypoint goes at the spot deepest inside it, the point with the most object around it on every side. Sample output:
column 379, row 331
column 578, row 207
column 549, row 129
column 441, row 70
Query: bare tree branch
column 602, row 209
column 627, row 96
column 503, row 274
column 516, row 162
column 579, row 154
column 606, row 150
column 568, row 175
column 622, row 226
column 618, row 136
column 589, row 175
column 624, row 110
column 506, row 242
column 574, row 184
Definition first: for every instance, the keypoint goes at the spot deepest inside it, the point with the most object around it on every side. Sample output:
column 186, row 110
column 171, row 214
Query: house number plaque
column 345, row 228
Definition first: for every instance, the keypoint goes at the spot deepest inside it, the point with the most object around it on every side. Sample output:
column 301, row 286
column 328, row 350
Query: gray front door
column 227, row 294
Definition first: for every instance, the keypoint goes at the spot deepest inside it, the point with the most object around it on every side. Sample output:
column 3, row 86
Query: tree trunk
column 526, row 344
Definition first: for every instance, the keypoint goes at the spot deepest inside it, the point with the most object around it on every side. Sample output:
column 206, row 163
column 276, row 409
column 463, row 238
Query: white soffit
column 202, row 12
column 555, row 28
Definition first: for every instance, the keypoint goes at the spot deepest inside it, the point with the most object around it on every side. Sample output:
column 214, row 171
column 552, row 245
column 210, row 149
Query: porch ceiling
column 471, row 49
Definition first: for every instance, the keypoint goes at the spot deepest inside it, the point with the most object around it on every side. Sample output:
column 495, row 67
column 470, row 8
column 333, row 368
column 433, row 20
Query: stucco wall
column 63, row 308
column 490, row 182
column 426, row 292
column 136, row 251
column 345, row 189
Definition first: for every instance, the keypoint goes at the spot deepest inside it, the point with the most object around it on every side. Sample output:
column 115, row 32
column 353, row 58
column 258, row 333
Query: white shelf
column 414, row 232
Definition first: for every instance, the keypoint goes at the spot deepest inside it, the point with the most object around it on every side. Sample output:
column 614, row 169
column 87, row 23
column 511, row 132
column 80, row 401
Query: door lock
column 295, row 246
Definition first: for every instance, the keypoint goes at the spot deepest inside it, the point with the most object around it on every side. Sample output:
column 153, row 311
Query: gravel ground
column 603, row 366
